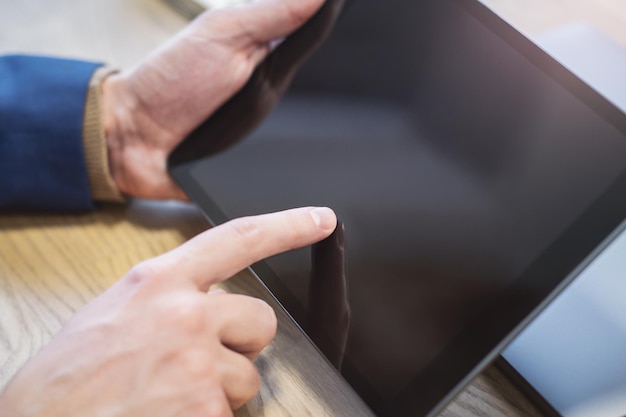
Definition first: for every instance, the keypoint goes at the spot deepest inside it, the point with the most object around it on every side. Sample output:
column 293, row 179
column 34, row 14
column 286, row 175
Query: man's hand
column 156, row 344
column 151, row 108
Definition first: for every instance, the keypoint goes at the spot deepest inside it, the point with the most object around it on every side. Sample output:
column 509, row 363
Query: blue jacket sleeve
column 42, row 104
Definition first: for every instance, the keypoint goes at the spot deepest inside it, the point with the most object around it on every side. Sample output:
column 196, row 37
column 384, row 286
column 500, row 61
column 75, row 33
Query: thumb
column 267, row 20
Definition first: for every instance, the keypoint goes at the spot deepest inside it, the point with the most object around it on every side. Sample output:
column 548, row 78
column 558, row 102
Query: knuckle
column 268, row 325
column 141, row 273
column 299, row 225
column 247, row 230
column 189, row 316
column 155, row 270
column 297, row 16
column 197, row 362
column 253, row 381
column 250, row 384
column 218, row 409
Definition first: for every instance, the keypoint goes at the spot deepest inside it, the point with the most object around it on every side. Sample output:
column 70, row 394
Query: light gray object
column 574, row 353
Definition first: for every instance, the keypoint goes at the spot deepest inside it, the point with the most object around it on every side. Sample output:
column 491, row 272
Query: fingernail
column 324, row 218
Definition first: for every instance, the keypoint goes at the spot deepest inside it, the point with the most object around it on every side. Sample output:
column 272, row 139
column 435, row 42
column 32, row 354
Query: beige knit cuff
column 103, row 187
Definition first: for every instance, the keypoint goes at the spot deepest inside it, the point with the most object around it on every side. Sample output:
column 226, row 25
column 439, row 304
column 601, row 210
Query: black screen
column 453, row 162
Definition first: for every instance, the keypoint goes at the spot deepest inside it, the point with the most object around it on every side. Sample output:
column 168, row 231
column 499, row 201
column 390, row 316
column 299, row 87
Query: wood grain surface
column 52, row 264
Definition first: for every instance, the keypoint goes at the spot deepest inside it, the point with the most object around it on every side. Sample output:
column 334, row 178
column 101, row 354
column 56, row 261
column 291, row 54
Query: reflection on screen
column 452, row 161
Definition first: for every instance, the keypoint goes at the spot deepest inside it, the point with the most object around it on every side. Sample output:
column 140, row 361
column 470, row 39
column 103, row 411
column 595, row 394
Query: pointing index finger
column 221, row 252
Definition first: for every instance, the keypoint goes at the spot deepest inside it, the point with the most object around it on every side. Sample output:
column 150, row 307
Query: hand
column 151, row 108
column 156, row 344
column 270, row 80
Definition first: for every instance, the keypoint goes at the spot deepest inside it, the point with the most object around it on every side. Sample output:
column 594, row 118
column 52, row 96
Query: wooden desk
column 51, row 265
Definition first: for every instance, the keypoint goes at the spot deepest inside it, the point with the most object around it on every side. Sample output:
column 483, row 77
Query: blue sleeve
column 42, row 104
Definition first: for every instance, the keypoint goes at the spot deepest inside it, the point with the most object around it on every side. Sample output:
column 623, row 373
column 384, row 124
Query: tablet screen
column 470, row 172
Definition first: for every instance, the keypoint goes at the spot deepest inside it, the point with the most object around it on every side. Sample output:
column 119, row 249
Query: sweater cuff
column 103, row 187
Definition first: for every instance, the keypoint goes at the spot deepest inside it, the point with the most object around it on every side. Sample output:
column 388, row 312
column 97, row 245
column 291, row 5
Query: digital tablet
column 570, row 358
column 473, row 175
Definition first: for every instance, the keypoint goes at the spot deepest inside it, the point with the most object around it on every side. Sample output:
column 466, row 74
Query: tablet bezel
column 547, row 276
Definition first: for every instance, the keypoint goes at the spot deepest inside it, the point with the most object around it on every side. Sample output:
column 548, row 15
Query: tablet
column 473, row 175
column 570, row 358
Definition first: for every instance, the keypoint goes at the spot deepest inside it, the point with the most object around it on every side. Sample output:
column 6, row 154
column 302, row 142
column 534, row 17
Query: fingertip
column 324, row 218
column 270, row 322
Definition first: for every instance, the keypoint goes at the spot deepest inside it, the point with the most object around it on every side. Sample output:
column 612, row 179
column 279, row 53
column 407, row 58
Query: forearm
column 43, row 140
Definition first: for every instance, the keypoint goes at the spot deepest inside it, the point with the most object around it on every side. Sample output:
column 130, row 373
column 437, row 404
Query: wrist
column 137, row 144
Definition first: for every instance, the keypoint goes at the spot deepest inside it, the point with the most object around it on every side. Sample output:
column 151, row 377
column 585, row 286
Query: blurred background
column 537, row 17
column 120, row 32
